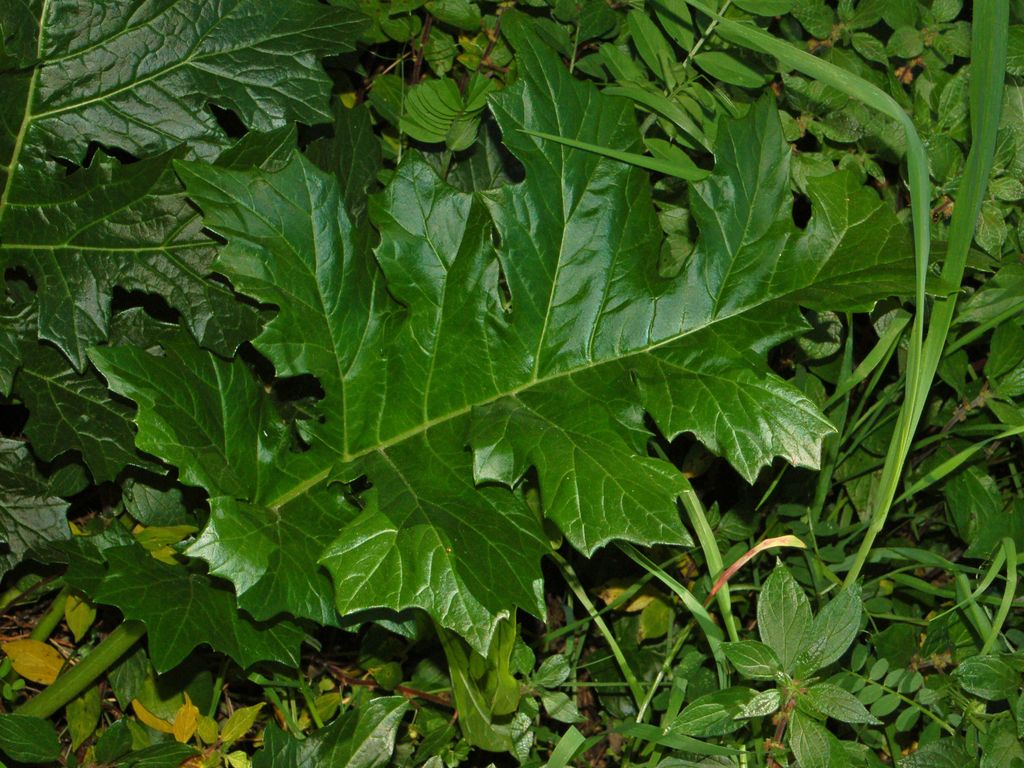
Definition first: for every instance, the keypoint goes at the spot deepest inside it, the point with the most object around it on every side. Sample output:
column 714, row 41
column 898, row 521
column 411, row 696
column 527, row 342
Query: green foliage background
column 432, row 383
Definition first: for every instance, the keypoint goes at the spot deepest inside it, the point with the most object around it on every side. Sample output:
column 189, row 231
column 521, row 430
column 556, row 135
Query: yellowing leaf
column 35, row 661
column 613, row 590
column 206, row 730
column 79, row 613
column 186, row 719
column 238, row 759
column 655, row 619
column 148, row 718
column 239, row 723
column 157, row 536
column 83, row 715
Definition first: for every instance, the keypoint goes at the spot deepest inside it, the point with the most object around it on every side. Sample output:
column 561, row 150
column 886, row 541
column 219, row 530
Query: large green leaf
column 182, row 610
column 225, row 434
column 72, row 411
column 138, row 77
column 31, row 511
column 544, row 350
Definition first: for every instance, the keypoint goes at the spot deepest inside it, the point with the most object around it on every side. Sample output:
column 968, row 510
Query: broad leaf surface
column 225, row 435
column 28, row 739
column 362, row 737
column 17, row 322
column 72, row 411
column 544, row 350
column 130, row 226
column 31, row 510
column 139, row 77
column 784, row 617
column 182, row 610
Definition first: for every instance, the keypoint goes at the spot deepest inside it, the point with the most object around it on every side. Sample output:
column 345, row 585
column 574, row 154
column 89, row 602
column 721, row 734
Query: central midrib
column 347, row 457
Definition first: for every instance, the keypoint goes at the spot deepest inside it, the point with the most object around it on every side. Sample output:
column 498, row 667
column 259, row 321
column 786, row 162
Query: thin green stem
column 286, row 712
column 581, row 594
column 1009, row 592
column 79, row 677
column 709, row 546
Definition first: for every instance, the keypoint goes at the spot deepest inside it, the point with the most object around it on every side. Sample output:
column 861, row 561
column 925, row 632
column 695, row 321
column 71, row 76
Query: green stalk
column 988, row 69
column 581, row 594
column 49, row 620
column 79, row 677
column 709, row 546
column 1010, row 548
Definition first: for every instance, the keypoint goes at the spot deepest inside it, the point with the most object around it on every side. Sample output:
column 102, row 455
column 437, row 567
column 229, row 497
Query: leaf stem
column 581, row 594
column 79, row 677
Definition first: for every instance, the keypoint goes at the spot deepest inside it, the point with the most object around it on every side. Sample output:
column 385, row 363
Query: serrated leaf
column 72, row 411
column 140, row 79
column 752, row 659
column 362, row 737
column 814, row 746
column 182, row 610
column 784, row 617
column 30, row 513
column 564, row 326
column 763, row 704
column 832, row 632
column 553, row 671
column 110, row 225
column 990, row 677
column 28, row 739
column 828, row 700
column 713, row 714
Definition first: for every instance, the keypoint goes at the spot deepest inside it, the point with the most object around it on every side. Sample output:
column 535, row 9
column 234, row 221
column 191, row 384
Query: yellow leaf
column 148, row 718
column 79, row 613
column 239, row 724
column 155, row 537
column 186, row 720
column 612, row 590
column 238, row 759
column 35, row 661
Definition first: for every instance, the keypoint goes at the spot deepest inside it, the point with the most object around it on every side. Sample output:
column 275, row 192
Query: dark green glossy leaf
column 140, row 78
column 28, row 739
column 559, row 337
column 182, row 610
column 362, row 737
column 31, row 514
column 270, row 545
column 72, row 411
column 113, row 225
